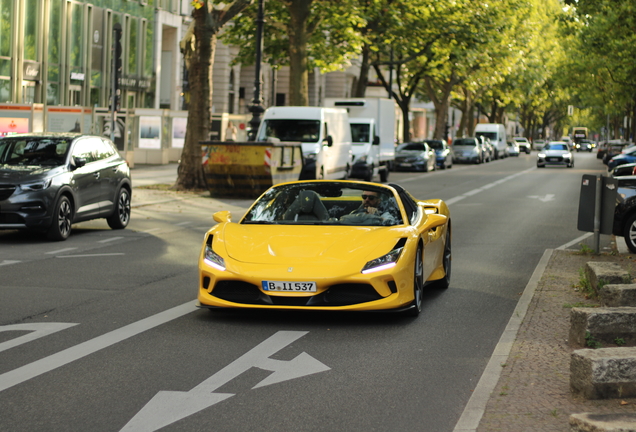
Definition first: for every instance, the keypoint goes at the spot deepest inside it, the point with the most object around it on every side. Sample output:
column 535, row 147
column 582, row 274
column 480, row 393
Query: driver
column 370, row 203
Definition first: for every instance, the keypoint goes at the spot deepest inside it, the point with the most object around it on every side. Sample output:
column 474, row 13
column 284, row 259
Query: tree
column 198, row 48
column 301, row 34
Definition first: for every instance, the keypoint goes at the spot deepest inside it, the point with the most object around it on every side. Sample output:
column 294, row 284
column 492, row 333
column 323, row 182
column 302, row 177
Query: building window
column 31, row 33
column 6, row 42
column 132, row 46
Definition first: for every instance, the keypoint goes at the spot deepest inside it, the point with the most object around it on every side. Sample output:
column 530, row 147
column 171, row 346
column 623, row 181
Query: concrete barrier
column 588, row 422
column 616, row 295
column 604, row 373
column 603, row 273
column 602, row 325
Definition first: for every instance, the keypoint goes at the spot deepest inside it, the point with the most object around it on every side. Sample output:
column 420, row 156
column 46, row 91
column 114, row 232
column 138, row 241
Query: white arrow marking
column 167, row 407
column 38, row 330
column 8, row 262
column 548, row 197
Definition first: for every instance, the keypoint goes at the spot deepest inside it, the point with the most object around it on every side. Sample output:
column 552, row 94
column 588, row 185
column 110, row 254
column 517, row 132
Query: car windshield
column 411, row 147
column 292, row 130
column 464, row 142
column 556, row 146
column 326, row 203
column 434, row 144
column 33, row 151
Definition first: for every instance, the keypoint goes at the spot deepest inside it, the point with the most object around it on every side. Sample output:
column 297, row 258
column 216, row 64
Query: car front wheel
column 121, row 215
column 62, row 219
column 629, row 233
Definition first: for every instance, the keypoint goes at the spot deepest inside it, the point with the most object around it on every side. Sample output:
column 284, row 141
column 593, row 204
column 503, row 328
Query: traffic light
column 117, row 66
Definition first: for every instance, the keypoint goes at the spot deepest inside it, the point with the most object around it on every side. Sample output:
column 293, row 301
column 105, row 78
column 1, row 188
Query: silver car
column 468, row 150
column 555, row 153
column 49, row 181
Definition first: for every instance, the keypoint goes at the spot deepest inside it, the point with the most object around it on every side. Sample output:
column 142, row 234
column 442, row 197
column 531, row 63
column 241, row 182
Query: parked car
column 555, row 153
column 330, row 246
column 613, row 148
column 625, row 211
column 524, row 144
column 538, row 144
column 49, row 181
column 467, row 150
column 513, row 148
column 416, row 156
column 443, row 153
column 625, row 157
column 487, row 148
column 623, row 170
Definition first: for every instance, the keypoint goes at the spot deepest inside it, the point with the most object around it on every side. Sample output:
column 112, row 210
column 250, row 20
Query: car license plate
column 552, row 159
column 405, row 164
column 289, row 286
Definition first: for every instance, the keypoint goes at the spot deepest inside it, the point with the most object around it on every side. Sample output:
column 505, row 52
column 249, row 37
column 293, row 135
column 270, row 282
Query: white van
column 324, row 133
column 497, row 134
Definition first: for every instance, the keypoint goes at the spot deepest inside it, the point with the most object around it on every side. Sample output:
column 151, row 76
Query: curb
column 474, row 410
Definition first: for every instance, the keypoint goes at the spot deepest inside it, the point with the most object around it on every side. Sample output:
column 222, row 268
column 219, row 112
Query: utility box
column 588, row 203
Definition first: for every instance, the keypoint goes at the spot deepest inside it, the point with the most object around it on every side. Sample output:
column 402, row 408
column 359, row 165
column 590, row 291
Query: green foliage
column 619, row 341
column 591, row 342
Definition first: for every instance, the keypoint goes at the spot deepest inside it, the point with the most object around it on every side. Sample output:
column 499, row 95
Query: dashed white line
column 60, row 251
column 89, row 255
column 109, row 239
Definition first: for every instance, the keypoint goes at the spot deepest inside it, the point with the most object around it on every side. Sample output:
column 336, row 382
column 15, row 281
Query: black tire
column 629, row 233
column 447, row 260
column 418, row 285
column 60, row 227
column 121, row 214
column 384, row 174
column 369, row 175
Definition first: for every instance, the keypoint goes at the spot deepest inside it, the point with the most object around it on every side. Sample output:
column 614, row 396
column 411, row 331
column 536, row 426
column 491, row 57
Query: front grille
column 337, row 295
column 6, row 191
column 11, row 218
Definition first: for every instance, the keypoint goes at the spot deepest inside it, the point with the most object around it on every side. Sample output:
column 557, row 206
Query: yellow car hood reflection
column 260, row 244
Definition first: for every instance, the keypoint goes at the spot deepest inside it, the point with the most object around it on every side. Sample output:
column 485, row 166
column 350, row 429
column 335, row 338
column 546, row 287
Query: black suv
column 49, row 181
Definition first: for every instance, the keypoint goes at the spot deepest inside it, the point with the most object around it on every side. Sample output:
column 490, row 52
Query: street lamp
column 257, row 108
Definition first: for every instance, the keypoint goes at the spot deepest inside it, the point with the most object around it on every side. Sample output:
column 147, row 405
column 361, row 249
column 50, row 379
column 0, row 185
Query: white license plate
column 405, row 164
column 289, row 286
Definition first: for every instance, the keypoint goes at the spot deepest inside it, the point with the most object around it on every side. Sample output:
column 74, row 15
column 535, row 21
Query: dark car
column 625, row 211
column 414, row 156
column 49, row 181
column 612, row 149
column 627, row 156
column 623, row 170
column 444, row 155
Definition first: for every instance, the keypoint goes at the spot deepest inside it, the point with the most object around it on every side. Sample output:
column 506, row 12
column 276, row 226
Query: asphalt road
column 100, row 332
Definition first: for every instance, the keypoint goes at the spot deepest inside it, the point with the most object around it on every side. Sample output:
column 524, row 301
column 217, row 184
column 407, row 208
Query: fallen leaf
column 624, row 403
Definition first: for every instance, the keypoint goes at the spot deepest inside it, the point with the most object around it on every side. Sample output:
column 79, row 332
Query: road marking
column 38, row 330
column 151, row 230
column 109, row 239
column 167, row 407
column 9, row 262
column 548, row 197
column 39, row 367
column 575, row 241
column 60, row 251
column 90, row 255
column 183, row 223
column 488, row 186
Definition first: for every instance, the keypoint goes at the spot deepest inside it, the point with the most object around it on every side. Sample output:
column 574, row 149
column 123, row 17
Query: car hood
column 302, row 244
column 17, row 173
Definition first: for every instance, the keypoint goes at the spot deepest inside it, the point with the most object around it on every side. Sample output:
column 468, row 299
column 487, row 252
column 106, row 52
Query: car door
column 85, row 181
column 108, row 161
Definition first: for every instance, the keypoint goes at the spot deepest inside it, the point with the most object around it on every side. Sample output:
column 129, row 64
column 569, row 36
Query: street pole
column 257, row 108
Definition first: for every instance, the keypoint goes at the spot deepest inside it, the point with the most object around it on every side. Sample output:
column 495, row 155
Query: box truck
column 497, row 134
column 324, row 133
column 373, row 135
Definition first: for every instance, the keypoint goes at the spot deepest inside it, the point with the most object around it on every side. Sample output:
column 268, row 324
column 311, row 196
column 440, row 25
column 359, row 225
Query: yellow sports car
column 328, row 245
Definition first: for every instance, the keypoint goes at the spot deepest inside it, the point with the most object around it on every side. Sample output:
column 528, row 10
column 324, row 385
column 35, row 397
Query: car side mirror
column 78, row 162
column 376, row 140
column 222, row 216
column 328, row 140
column 435, row 220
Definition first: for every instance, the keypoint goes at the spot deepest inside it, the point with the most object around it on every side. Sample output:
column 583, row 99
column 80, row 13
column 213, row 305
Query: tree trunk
column 363, row 77
column 297, row 31
column 190, row 173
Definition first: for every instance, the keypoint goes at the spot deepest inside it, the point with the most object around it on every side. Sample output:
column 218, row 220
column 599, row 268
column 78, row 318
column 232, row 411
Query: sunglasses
column 369, row 197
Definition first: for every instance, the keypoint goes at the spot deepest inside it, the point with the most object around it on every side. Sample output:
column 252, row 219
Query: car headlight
column 384, row 262
column 567, row 155
column 213, row 259
column 541, row 155
column 36, row 186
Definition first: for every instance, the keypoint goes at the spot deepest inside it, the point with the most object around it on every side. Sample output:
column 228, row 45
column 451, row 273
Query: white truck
column 372, row 133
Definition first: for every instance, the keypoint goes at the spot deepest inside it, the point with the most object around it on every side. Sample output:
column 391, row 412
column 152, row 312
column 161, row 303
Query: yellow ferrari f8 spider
column 328, row 245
